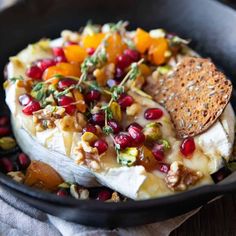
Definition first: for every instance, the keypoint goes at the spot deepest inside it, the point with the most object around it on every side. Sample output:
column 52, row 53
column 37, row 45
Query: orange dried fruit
column 79, row 99
column 157, row 51
column 92, row 41
column 115, row 47
column 42, row 176
column 142, row 40
column 75, row 53
column 64, row 69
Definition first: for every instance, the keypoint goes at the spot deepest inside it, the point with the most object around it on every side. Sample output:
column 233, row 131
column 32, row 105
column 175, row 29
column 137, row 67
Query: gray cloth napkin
column 19, row 219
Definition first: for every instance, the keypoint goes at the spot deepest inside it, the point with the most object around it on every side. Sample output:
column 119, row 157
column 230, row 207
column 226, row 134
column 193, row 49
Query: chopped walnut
column 45, row 118
column 114, row 197
column 179, row 177
column 79, row 192
column 18, row 176
column 133, row 110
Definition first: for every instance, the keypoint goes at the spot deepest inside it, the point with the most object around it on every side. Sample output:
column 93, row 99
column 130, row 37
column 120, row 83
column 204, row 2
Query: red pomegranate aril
column 98, row 118
column 25, row 99
column 115, row 126
column 93, row 95
column 4, row 131
column 137, row 135
column 111, row 83
column 90, row 51
column 89, row 128
column 101, row 146
column 65, row 102
column 123, row 61
column 6, row 165
column 125, row 101
column 153, row 114
column 31, row 107
column 68, row 43
column 4, row 120
column 124, row 140
column 134, row 124
column 60, row 59
column 66, row 83
column 158, row 152
column 119, row 74
column 164, row 168
column 62, row 193
column 132, row 54
column 45, row 63
column 34, row 72
column 23, row 160
column 58, row 51
column 104, row 195
column 187, row 147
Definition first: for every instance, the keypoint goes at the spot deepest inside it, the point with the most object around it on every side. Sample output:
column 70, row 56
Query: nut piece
column 114, row 197
column 179, row 177
column 133, row 110
column 18, row 176
column 79, row 192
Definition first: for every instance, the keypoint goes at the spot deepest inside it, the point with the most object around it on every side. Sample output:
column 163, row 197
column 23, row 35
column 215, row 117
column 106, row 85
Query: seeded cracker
column 195, row 95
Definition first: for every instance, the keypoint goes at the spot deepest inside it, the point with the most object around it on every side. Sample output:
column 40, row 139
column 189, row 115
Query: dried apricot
column 142, row 40
column 75, row 53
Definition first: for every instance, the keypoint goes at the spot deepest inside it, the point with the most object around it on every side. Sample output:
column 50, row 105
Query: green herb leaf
column 117, row 91
column 38, row 87
column 134, row 71
column 14, row 79
column 107, row 130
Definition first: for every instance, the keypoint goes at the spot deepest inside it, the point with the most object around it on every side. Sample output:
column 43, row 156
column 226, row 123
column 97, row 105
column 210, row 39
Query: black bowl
column 209, row 24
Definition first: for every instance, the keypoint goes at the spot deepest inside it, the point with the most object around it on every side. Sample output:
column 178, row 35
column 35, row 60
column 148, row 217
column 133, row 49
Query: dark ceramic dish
column 209, row 24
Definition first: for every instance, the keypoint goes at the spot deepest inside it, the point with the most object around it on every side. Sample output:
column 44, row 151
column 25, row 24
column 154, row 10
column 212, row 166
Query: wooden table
column 216, row 219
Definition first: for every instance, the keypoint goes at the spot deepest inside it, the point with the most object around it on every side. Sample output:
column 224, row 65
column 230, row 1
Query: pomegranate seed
column 31, row 107
column 111, row 83
column 187, row 147
column 101, row 146
column 119, row 74
column 90, row 51
column 6, row 165
column 124, row 140
column 98, row 118
column 104, row 195
column 125, row 101
column 65, row 102
column 4, row 131
column 68, row 43
column 62, row 193
column 34, row 72
column 65, row 83
column 137, row 135
column 132, row 54
column 153, row 114
column 25, row 99
column 158, row 152
column 93, row 95
column 134, row 124
column 89, row 128
column 45, row 63
column 123, row 61
column 4, row 120
column 115, row 126
column 23, row 160
column 164, row 168
column 58, row 51
column 60, row 59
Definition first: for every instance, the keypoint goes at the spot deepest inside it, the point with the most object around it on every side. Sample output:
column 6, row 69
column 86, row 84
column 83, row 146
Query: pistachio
column 116, row 111
column 152, row 131
column 7, row 143
column 164, row 69
column 128, row 156
column 79, row 192
column 18, row 176
column 64, row 185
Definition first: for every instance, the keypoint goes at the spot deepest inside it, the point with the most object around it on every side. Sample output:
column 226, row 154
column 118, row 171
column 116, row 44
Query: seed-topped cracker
column 195, row 94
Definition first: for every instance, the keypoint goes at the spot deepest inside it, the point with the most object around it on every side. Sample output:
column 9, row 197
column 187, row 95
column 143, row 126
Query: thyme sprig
column 118, row 90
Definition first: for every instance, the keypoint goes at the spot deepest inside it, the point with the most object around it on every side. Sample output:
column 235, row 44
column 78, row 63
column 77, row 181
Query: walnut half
column 179, row 177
